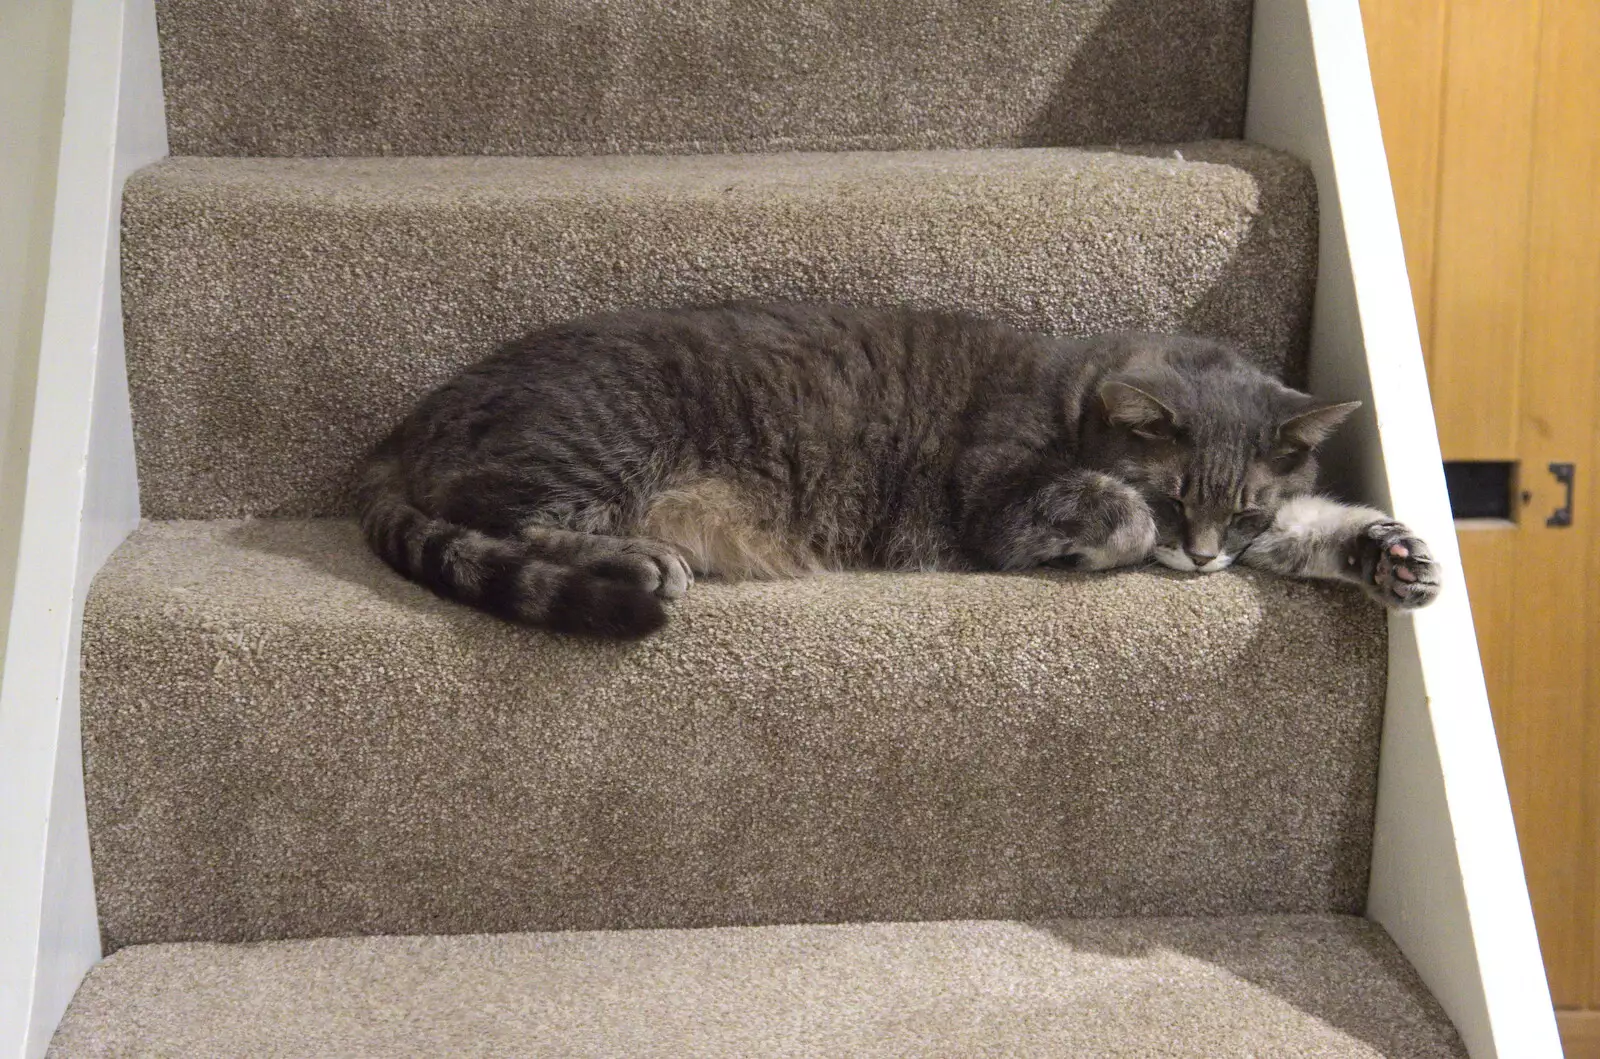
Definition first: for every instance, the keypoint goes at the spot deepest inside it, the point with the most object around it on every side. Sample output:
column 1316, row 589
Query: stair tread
column 1215, row 988
column 285, row 739
column 282, row 313
column 415, row 77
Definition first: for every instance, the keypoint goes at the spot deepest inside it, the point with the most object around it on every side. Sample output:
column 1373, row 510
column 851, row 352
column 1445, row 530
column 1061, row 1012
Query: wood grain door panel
column 1491, row 119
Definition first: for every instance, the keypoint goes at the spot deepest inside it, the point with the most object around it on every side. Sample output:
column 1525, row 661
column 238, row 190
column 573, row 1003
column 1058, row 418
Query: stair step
column 282, row 738
column 527, row 77
column 282, row 313
column 1323, row 986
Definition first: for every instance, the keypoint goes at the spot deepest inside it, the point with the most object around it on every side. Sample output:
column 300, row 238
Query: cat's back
column 855, row 391
column 787, row 358
column 765, row 335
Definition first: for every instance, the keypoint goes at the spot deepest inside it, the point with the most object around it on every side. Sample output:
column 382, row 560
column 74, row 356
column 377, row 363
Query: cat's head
column 1213, row 444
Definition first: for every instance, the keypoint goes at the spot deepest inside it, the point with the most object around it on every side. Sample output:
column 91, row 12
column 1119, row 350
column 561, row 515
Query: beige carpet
column 282, row 313
column 1278, row 987
column 543, row 77
column 285, row 739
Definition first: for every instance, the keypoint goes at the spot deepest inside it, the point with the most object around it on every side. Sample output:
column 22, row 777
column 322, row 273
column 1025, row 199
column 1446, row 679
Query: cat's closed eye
column 1250, row 518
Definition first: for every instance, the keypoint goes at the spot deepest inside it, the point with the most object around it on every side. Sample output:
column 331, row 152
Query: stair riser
column 471, row 77
column 280, row 319
column 365, row 759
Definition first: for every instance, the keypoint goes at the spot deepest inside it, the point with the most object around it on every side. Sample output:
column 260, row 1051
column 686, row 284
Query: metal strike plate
column 1564, row 473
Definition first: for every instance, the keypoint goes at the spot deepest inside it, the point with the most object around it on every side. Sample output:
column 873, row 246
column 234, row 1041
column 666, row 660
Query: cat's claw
column 1397, row 569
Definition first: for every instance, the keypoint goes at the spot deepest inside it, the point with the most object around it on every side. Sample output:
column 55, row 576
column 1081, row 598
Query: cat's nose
column 1199, row 558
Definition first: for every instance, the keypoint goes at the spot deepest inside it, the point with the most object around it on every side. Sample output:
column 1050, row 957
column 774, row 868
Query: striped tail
column 502, row 576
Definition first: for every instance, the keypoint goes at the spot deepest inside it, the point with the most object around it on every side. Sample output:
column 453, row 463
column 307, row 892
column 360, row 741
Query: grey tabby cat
column 581, row 475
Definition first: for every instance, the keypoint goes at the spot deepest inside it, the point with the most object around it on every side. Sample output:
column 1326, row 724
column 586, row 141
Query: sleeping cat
column 581, row 475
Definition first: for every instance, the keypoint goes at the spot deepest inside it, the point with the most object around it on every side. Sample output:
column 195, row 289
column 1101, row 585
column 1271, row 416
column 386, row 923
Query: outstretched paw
column 1397, row 569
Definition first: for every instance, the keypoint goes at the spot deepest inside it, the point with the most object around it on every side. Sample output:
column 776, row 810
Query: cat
column 580, row 476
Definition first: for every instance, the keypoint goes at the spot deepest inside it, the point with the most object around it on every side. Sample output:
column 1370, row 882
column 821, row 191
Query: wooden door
column 1491, row 118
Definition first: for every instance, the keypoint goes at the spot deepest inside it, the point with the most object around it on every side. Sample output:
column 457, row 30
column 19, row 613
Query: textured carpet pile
column 284, row 739
column 548, row 77
column 860, row 814
column 1289, row 987
column 281, row 314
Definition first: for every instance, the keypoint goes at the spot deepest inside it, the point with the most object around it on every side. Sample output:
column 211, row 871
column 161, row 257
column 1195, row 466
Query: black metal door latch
column 1564, row 473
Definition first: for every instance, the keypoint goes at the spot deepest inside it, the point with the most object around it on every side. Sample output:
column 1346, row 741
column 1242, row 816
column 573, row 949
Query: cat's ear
column 1307, row 430
column 1128, row 406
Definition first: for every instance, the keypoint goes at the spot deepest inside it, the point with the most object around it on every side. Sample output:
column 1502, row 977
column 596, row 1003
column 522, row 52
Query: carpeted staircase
column 863, row 815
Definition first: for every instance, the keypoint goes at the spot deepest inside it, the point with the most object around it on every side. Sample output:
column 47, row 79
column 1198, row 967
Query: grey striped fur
column 580, row 476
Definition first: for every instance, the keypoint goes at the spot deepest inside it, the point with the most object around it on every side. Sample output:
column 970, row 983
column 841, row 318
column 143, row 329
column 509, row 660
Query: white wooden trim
column 81, row 500
column 1447, row 878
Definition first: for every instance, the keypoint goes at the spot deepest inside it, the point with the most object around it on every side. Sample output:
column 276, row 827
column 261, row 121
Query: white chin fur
column 1175, row 558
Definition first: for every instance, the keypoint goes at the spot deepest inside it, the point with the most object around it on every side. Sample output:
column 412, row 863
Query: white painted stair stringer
column 81, row 499
column 1447, row 880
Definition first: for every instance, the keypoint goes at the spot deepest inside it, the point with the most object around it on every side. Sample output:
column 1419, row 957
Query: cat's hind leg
column 703, row 526
column 1316, row 536
column 519, row 580
column 723, row 530
column 654, row 566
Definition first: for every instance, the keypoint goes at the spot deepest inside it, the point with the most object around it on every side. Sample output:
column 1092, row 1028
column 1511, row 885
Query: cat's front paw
column 1114, row 527
column 1395, row 566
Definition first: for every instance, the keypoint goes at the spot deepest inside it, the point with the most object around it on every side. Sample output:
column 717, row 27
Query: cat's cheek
column 1168, row 534
column 1241, row 535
